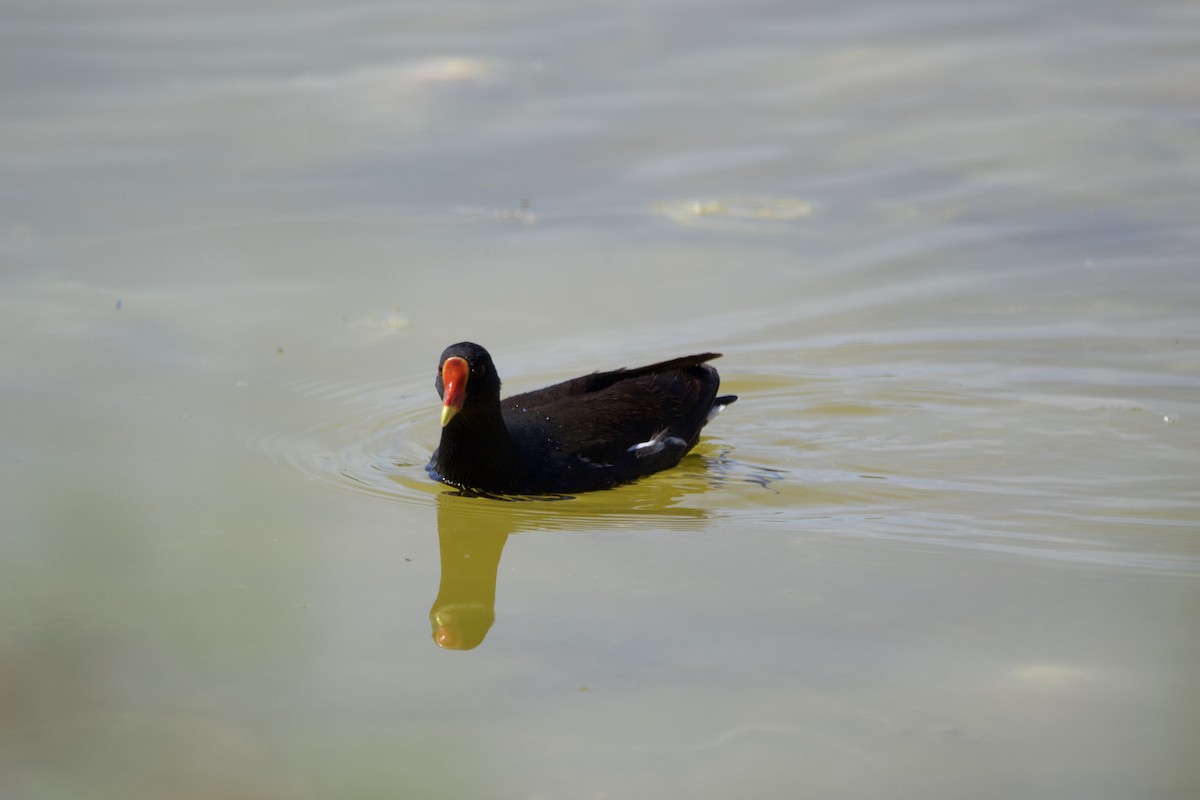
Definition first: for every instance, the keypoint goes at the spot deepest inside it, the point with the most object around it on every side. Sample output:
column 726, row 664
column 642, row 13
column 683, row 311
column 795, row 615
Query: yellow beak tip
column 448, row 413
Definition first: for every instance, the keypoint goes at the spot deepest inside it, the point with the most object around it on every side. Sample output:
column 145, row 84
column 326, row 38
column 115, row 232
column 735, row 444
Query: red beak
column 454, row 381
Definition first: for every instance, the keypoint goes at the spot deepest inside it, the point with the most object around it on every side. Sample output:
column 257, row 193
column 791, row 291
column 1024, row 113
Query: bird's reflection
column 470, row 544
column 473, row 530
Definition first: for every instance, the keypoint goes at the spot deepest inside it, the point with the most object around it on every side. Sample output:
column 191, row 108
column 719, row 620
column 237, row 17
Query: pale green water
column 946, row 545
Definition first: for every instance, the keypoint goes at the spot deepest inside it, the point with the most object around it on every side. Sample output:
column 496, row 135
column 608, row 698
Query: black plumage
column 592, row 432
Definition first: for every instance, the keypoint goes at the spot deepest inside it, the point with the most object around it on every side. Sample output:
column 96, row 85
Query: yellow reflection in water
column 473, row 530
column 470, row 546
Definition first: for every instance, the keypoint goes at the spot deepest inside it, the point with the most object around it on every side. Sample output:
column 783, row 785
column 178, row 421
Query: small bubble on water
column 1169, row 419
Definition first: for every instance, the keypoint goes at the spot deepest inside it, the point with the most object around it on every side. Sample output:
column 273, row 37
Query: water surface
column 946, row 544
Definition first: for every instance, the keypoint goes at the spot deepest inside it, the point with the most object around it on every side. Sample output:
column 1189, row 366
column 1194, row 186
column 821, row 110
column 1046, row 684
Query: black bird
column 589, row 433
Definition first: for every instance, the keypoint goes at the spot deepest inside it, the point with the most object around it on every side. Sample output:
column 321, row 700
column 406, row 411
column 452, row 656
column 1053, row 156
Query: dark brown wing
column 598, row 381
column 637, row 422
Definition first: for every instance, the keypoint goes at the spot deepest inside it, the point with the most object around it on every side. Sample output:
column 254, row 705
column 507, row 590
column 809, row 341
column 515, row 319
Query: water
column 946, row 544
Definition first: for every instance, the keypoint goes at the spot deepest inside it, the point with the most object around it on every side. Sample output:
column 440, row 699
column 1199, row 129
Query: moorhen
column 589, row 433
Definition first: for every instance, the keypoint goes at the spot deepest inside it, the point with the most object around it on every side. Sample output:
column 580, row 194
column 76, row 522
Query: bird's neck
column 476, row 448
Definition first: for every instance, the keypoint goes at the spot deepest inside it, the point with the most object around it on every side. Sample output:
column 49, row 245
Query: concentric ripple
column 376, row 439
column 824, row 448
